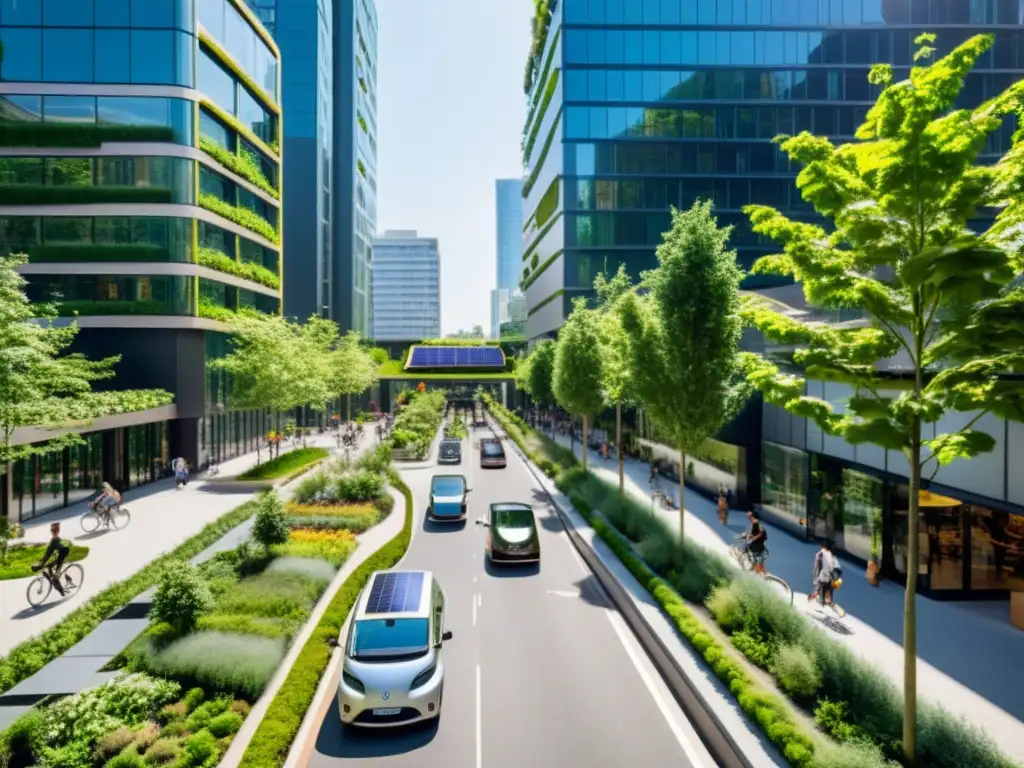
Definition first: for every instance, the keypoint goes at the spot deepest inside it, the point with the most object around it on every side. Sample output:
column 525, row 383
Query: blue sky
column 450, row 112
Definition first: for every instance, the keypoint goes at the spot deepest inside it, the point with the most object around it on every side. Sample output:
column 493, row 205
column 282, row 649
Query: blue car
column 448, row 498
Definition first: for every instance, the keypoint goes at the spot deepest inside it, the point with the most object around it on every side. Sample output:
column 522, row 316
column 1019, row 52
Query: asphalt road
column 541, row 671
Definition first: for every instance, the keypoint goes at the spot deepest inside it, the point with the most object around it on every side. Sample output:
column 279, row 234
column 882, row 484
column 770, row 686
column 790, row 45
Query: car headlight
column 423, row 677
column 353, row 682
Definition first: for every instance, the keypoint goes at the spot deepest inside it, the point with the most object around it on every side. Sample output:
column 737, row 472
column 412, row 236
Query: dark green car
column 512, row 534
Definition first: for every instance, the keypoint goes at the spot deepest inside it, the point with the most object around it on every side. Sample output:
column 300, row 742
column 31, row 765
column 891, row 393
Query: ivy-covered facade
column 140, row 171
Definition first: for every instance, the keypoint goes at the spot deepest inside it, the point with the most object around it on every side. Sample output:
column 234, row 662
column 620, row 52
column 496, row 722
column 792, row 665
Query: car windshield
column 448, row 486
column 450, row 446
column 492, row 449
column 513, row 517
column 389, row 638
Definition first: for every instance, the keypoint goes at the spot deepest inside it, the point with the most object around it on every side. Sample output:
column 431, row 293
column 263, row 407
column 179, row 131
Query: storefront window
column 85, row 473
column 939, row 537
column 49, row 482
column 997, row 548
column 862, row 515
column 784, row 480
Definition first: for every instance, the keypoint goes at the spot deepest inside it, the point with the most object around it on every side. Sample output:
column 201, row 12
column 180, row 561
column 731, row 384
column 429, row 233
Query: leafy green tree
column 684, row 335
column 577, row 381
column 615, row 369
column 940, row 299
column 181, row 598
column 43, row 386
column 541, row 374
column 353, row 368
column 270, row 525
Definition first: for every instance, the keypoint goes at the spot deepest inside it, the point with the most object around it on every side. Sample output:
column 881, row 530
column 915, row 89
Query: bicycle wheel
column 120, row 518
column 71, row 579
column 38, row 590
column 780, row 586
column 90, row 521
column 741, row 556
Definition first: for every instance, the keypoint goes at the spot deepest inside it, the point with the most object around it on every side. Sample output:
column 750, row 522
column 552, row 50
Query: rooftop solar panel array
column 456, row 357
column 395, row 593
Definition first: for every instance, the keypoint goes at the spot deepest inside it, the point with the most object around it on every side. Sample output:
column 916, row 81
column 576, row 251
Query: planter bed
column 275, row 472
column 21, row 556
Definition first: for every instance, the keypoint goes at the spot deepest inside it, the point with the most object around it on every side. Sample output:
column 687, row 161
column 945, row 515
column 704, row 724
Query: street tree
column 684, row 335
column 940, row 299
column 41, row 385
column 615, row 368
column 353, row 368
column 540, row 375
column 577, row 380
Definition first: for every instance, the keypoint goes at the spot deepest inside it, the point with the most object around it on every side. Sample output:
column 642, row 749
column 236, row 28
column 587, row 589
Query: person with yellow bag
column 827, row 576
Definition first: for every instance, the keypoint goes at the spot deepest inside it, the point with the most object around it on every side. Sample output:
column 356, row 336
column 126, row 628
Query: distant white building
column 406, row 290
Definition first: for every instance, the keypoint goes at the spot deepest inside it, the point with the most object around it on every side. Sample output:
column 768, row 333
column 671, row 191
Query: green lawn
column 19, row 560
column 392, row 369
column 286, row 464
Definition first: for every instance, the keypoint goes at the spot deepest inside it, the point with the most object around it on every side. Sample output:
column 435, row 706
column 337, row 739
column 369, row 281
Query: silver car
column 392, row 673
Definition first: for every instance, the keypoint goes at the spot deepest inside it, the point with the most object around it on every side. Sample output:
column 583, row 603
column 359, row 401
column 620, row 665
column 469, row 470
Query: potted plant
column 874, row 570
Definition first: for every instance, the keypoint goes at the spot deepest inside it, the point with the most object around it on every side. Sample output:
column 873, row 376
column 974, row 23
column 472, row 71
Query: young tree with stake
column 577, row 380
column 940, row 297
column 684, row 335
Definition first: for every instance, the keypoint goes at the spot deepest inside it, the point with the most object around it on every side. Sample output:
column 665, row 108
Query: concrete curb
column 233, row 757
column 714, row 733
column 232, row 484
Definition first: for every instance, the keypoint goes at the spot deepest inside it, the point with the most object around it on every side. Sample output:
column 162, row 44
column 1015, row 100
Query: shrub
column 352, row 523
column 175, row 729
column 312, row 486
column 240, row 707
column 113, row 743
column 193, row 699
column 318, row 570
column 130, row 758
column 796, row 672
column 271, row 525
column 361, row 485
column 857, row 754
column 219, row 661
column 172, row 712
column 242, row 624
column 181, row 597
column 199, row 748
column 378, row 460
column 29, row 657
column 280, row 596
column 276, row 732
column 332, row 546
column 205, row 713
column 225, row 724
column 163, row 751
column 286, row 465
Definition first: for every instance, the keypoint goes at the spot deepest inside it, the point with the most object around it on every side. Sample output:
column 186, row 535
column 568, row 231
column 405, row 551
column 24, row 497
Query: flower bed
column 131, row 721
column 850, row 701
column 286, row 465
column 21, row 557
column 417, row 423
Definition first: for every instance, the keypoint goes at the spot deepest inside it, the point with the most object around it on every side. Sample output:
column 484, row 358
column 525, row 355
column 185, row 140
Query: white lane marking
column 474, row 610
column 474, row 579
column 479, row 724
column 480, row 599
column 618, row 624
column 564, row 592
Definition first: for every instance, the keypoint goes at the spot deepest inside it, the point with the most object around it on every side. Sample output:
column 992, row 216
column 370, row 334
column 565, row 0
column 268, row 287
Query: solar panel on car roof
column 395, row 593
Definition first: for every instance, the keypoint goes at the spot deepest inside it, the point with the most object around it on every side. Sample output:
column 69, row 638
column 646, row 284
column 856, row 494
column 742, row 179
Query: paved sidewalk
column 967, row 658
column 162, row 518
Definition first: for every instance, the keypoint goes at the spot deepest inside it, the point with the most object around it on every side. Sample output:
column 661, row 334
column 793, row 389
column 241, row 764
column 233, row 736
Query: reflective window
column 112, row 13
column 153, row 57
column 211, row 16
column 175, row 114
column 252, row 114
column 215, row 82
column 19, row 12
column 153, row 13
column 214, row 238
column 69, row 109
column 67, row 13
column 23, row 54
column 211, row 128
column 114, row 295
column 113, row 61
column 67, row 55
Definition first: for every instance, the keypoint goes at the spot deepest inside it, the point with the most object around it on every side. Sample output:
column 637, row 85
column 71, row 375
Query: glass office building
column 639, row 105
column 140, row 156
column 406, row 287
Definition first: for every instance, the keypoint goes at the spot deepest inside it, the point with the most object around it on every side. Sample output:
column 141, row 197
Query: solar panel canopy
column 395, row 593
column 484, row 356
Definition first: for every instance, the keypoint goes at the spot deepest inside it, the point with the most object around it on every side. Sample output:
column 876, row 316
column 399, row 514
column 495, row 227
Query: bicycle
column 748, row 561
column 118, row 518
column 40, row 587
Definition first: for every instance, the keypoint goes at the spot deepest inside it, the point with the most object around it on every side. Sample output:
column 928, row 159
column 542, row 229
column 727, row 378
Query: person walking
column 824, row 574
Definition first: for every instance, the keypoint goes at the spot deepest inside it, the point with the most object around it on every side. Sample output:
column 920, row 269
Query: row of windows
column 624, row 122
column 158, row 14
column 632, row 228
column 234, row 33
column 770, row 48
column 751, row 85
column 140, row 56
column 794, row 12
column 210, row 127
column 212, row 183
column 234, row 98
column 659, row 194
column 88, row 111
column 174, row 174
column 168, row 239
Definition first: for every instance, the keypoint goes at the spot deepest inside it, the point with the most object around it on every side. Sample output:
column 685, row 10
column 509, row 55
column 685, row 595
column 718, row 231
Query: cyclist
column 756, row 537
column 108, row 500
column 60, row 548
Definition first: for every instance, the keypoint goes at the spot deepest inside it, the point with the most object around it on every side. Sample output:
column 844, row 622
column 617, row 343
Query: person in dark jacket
column 58, row 548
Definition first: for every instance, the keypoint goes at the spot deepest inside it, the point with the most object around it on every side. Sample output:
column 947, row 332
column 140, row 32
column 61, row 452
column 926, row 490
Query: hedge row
column 27, row 658
column 286, row 465
column 280, row 725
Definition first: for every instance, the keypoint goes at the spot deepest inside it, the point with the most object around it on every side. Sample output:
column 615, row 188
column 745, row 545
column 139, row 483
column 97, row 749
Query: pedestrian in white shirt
column 826, row 571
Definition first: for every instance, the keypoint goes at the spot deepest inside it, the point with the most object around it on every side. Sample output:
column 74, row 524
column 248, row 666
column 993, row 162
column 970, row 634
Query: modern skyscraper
column 639, row 106
column 141, row 156
column 355, row 159
column 303, row 30
column 509, row 210
column 406, row 287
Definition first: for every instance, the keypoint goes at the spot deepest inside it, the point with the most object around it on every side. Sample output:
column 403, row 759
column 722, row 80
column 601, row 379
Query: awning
column 929, row 499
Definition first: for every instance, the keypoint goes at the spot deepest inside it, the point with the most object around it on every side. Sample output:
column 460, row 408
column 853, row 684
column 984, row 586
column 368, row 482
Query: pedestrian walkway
column 967, row 659
column 163, row 517
column 81, row 666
